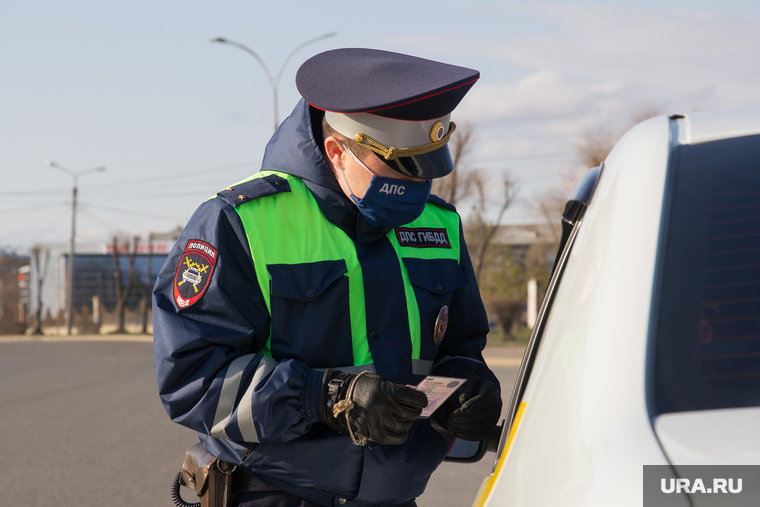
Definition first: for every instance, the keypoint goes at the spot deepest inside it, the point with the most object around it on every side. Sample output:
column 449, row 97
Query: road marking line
column 147, row 338
column 503, row 361
column 76, row 338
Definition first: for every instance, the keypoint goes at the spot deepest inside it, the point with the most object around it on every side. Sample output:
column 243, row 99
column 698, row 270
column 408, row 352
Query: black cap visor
column 435, row 164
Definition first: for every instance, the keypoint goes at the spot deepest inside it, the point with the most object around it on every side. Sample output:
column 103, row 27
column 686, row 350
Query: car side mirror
column 466, row 451
column 576, row 205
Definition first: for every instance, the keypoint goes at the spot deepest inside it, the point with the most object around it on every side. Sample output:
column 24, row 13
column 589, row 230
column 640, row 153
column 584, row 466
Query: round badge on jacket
column 441, row 323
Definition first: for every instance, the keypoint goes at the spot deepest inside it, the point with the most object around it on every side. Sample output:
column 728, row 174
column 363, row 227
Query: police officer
column 299, row 304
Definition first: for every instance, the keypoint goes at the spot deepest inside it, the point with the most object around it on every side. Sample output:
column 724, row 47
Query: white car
column 647, row 346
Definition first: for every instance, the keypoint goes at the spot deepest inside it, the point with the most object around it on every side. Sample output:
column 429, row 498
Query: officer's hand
column 368, row 407
column 472, row 412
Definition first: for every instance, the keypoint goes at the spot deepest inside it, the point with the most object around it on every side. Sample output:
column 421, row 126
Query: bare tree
column 592, row 149
column 594, row 145
column 508, row 313
column 41, row 259
column 145, row 288
column 457, row 185
column 465, row 182
column 122, row 289
column 481, row 227
column 551, row 204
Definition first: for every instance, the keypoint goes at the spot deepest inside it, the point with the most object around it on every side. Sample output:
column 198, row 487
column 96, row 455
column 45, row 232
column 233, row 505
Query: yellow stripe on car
column 488, row 483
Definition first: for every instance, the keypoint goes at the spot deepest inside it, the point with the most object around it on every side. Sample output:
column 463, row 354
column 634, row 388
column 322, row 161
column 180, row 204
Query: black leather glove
column 472, row 412
column 368, row 407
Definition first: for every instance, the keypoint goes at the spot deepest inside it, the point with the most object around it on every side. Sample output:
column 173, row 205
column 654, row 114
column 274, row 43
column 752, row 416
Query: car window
column 705, row 348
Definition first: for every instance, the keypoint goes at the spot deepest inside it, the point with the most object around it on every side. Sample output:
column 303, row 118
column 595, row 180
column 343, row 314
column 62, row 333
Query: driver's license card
column 437, row 390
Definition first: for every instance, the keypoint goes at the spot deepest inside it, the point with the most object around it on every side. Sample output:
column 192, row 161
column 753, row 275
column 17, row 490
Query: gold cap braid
column 393, row 153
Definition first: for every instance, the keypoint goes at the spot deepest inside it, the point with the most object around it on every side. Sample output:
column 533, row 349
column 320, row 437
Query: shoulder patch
column 441, row 202
column 194, row 272
column 254, row 189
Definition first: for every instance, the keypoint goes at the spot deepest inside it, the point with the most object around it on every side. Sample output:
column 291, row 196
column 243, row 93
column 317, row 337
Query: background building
column 13, row 283
column 95, row 292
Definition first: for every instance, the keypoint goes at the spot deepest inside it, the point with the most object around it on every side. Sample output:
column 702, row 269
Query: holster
column 207, row 475
column 216, row 482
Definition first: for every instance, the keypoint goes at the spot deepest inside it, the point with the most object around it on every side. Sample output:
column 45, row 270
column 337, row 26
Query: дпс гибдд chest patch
column 423, row 237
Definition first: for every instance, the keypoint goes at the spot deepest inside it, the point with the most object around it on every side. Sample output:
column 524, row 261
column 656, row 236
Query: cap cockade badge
column 437, row 132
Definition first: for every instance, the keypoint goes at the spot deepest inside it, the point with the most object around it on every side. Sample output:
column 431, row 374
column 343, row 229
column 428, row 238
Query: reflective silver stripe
column 229, row 392
column 421, row 366
column 357, row 369
column 352, row 369
column 449, row 358
column 245, row 410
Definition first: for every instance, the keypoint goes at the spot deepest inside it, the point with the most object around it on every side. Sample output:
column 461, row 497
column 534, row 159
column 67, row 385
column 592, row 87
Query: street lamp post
column 274, row 82
column 70, row 267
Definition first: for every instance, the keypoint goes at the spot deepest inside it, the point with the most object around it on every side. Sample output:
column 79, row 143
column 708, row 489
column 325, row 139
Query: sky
column 137, row 87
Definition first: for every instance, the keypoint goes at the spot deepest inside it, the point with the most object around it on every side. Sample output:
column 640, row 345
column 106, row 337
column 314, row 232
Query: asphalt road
column 81, row 424
column 457, row 484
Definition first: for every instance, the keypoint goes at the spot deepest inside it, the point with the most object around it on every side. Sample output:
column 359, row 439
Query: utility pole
column 274, row 82
column 70, row 266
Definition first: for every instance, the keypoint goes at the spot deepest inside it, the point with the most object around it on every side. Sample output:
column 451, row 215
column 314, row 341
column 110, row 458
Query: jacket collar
column 293, row 149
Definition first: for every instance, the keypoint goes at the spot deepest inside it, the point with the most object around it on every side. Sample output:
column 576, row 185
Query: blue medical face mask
column 389, row 202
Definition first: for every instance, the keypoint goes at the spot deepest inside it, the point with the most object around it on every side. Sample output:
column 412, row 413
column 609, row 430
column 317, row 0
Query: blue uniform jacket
column 261, row 412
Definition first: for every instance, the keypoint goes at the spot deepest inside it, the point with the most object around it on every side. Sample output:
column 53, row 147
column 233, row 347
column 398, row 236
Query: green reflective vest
column 291, row 240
